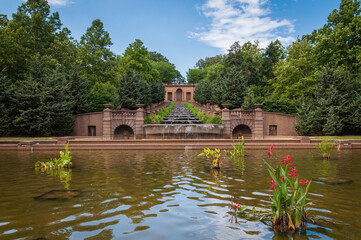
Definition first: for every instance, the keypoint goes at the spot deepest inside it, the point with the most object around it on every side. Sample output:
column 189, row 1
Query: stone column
column 107, row 121
column 226, row 121
column 258, row 122
column 139, row 122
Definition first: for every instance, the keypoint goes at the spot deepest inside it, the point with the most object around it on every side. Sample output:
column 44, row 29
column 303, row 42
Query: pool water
column 169, row 195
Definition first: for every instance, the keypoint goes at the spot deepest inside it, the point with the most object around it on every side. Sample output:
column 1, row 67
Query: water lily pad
column 333, row 180
column 59, row 195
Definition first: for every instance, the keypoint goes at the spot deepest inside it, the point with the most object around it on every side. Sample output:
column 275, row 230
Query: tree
column 79, row 90
column 7, row 105
column 271, row 56
column 136, row 58
column 101, row 93
column 97, row 60
column 203, row 92
column 209, row 61
column 133, row 89
column 167, row 71
column 246, row 59
column 294, row 76
column 234, row 88
column 157, row 57
column 338, row 43
column 195, row 75
column 331, row 110
column 30, row 33
column 248, row 101
column 44, row 105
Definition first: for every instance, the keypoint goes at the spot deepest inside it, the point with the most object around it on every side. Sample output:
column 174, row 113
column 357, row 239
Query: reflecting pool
column 168, row 195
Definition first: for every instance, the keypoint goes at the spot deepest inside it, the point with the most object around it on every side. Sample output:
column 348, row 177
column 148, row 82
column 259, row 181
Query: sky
column 185, row 31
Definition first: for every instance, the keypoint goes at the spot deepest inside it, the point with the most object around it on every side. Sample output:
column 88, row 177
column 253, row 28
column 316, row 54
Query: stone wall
column 283, row 123
column 83, row 121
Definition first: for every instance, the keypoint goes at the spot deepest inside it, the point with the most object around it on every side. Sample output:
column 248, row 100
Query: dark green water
column 168, row 195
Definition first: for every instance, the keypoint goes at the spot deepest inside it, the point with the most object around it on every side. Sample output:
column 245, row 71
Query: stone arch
column 123, row 132
column 118, row 122
column 179, row 95
column 242, row 127
column 241, row 130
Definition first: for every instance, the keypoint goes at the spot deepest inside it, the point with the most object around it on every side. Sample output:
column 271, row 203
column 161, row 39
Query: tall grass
column 206, row 119
column 161, row 114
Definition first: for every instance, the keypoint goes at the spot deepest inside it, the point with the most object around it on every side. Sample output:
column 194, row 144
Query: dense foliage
column 46, row 76
column 317, row 77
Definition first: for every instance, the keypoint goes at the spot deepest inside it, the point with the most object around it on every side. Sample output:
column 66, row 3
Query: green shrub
column 161, row 114
column 206, row 119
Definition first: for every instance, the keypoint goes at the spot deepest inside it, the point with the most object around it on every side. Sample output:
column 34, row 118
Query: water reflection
column 166, row 195
column 64, row 175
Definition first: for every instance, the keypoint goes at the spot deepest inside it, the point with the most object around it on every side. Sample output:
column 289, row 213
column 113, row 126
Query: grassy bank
column 206, row 119
column 161, row 114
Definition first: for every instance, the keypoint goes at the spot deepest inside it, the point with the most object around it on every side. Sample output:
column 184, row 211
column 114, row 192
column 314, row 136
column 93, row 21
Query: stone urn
column 258, row 105
column 107, row 106
column 140, row 105
column 226, row 105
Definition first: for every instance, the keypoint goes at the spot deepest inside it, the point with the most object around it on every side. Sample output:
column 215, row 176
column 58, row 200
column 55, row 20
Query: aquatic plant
column 325, row 147
column 214, row 156
column 206, row 119
column 290, row 207
column 161, row 114
column 238, row 150
column 64, row 161
column 270, row 152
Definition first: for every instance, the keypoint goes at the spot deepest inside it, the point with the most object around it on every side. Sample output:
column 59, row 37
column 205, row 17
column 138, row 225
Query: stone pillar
column 258, row 122
column 226, row 121
column 107, row 121
column 139, row 122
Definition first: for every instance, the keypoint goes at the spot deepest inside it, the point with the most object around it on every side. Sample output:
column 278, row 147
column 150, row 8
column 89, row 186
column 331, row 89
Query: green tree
column 136, row 58
column 209, row 61
column 30, row 33
column 203, row 92
column 271, row 56
column 44, row 105
column 294, row 76
column 248, row 101
column 246, row 59
column 101, row 93
column 7, row 105
column 167, row 71
column 133, row 89
column 338, row 43
column 234, row 88
column 195, row 75
column 97, row 60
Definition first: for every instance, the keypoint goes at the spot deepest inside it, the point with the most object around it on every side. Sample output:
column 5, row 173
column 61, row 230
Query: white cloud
column 241, row 20
column 59, row 2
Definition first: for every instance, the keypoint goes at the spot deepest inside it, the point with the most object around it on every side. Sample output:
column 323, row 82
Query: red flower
column 288, row 159
column 273, row 184
column 237, row 205
column 304, row 183
column 270, row 151
column 292, row 172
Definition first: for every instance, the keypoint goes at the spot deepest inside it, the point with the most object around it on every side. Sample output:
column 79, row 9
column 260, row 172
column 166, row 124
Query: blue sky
column 186, row 30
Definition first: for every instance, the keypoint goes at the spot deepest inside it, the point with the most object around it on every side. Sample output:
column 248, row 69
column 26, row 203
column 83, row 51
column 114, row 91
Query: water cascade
column 182, row 124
